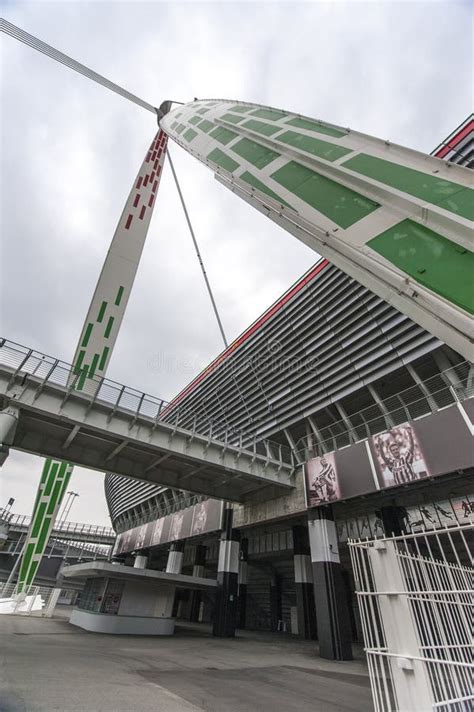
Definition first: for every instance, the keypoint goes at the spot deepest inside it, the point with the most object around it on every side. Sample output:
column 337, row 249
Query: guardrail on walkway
column 453, row 385
column 20, row 521
column 47, row 369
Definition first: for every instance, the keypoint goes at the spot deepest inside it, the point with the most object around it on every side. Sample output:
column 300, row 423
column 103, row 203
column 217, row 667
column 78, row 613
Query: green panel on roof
column 195, row 119
column 223, row 135
column 261, row 127
column 316, row 126
column 270, row 114
column 260, row 156
column 431, row 259
column 232, row 118
column 206, row 125
column 211, row 103
column 179, row 128
column 174, row 124
column 438, row 191
column 241, row 109
column 202, row 111
column 255, row 183
column 315, row 146
column 338, row 203
column 223, row 160
column 190, row 134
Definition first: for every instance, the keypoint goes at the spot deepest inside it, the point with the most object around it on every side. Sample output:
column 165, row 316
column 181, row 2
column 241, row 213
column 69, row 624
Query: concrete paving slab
column 49, row 666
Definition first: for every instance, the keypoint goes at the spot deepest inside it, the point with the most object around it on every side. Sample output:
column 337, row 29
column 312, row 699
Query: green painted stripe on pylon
column 79, row 361
column 54, row 497
column 340, row 204
column 258, row 155
column 94, row 362
column 223, row 160
column 432, row 189
column 431, row 259
column 25, row 564
column 38, row 519
column 261, row 127
column 101, row 313
column 51, row 479
column 109, row 326
column 119, row 296
column 255, row 183
column 270, row 114
column 232, row 118
column 82, row 378
column 223, row 135
column 309, row 125
column 241, row 109
column 315, row 146
column 44, row 536
column 103, row 358
column 87, row 334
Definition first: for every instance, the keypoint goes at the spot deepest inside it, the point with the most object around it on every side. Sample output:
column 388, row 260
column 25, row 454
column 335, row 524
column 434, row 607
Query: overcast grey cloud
column 71, row 149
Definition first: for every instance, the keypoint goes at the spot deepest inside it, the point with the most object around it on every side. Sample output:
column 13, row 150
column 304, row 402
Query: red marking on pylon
column 150, row 202
column 142, row 212
column 129, row 221
column 139, row 182
column 137, row 200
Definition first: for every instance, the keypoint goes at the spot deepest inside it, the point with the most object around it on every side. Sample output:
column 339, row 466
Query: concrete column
column 198, row 570
column 225, row 612
column 175, row 558
column 140, row 562
column 306, row 610
column 333, row 621
column 243, row 578
column 275, row 602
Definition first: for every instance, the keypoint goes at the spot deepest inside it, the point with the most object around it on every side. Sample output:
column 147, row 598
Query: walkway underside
column 57, row 422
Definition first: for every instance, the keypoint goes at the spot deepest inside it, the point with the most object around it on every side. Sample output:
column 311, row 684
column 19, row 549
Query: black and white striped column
column 304, row 583
column 225, row 612
column 174, row 564
column 333, row 621
column 243, row 578
column 198, row 570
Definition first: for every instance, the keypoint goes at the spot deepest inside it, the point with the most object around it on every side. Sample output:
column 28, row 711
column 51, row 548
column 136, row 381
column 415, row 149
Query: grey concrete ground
column 49, row 665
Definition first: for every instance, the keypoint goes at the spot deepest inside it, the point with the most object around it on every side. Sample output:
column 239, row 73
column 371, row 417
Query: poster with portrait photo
column 321, row 480
column 398, row 456
column 181, row 524
column 157, row 533
column 143, row 536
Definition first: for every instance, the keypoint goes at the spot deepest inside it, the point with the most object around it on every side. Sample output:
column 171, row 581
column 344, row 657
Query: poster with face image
column 399, row 458
column 321, row 481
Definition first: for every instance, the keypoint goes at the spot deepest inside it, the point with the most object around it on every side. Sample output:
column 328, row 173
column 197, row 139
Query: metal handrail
column 421, row 399
column 46, row 369
column 24, row 520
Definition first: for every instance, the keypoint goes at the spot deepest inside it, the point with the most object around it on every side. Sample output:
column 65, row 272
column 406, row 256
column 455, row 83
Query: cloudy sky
column 71, row 149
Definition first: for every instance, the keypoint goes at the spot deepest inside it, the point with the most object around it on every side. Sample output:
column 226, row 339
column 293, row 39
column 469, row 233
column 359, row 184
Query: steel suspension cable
column 37, row 44
column 196, row 247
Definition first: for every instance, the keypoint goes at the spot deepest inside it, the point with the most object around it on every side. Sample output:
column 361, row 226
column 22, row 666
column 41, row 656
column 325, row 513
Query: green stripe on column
column 340, row 204
column 223, row 135
column 82, row 378
column 101, row 313
column 261, row 127
column 103, row 358
column 255, row 183
column 78, row 364
column 260, row 156
column 109, row 326
column 51, row 478
column 87, row 334
column 44, row 536
column 315, row 146
column 309, row 125
column 118, row 298
column 444, row 193
column 54, row 497
column 38, row 519
column 431, row 259
column 25, row 564
column 94, row 362
column 226, row 162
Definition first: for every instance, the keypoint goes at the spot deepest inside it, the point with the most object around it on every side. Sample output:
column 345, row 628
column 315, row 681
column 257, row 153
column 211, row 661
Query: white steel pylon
column 97, row 339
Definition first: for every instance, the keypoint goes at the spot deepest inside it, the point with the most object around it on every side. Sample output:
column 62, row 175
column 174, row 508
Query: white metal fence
column 416, row 596
column 38, row 601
